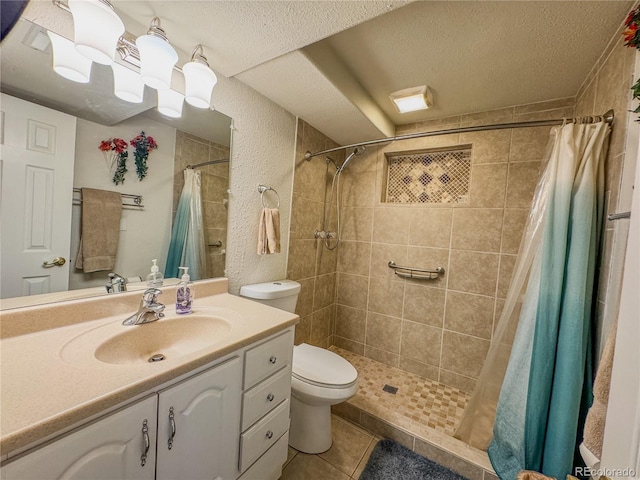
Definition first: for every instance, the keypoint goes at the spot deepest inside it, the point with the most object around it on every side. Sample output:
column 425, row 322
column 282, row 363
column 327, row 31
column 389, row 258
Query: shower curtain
column 187, row 248
column 537, row 373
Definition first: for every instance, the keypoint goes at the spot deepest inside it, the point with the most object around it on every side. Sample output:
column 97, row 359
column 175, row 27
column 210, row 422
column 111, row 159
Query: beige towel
column 100, row 230
column 597, row 414
column 269, row 231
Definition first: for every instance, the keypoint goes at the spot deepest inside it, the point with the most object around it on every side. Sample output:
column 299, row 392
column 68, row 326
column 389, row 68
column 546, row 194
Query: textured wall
column 310, row 263
column 191, row 150
column 608, row 87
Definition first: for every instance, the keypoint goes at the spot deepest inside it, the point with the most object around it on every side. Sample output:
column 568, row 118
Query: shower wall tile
column 463, row 354
column 347, row 344
column 501, row 115
column 469, row 314
column 424, row 370
column 505, row 272
column 430, row 227
column 515, row 220
column 477, row 229
column 473, row 272
column 559, row 103
column 386, row 297
column 444, row 123
column 529, row 144
column 487, row 187
column 321, row 325
column 303, row 330
column 424, row 304
column 421, row 342
column 461, row 382
column 381, row 255
column 382, row 356
column 353, row 290
column 304, row 306
column 523, row 178
column 358, row 188
column 383, row 332
column 302, row 255
column 323, row 295
column 391, row 225
column 357, row 224
column 488, row 147
column 430, row 259
column 306, row 218
column 354, row 257
column 326, row 260
column 551, row 114
column 351, row 323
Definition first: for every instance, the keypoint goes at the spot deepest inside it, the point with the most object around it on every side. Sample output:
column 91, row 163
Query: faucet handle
column 150, row 296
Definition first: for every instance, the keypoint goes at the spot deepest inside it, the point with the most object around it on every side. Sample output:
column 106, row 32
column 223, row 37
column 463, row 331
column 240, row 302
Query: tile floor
column 345, row 459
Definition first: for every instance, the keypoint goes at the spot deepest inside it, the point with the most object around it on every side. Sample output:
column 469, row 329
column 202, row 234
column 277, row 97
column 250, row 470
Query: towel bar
column 416, row 273
column 264, row 188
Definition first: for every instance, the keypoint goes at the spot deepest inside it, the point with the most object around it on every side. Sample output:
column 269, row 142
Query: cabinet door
column 199, row 425
column 111, row 448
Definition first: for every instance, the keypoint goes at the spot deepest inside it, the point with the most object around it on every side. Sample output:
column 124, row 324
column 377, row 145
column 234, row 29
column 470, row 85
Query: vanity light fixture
column 412, row 99
column 170, row 103
column 199, row 79
column 127, row 84
column 157, row 57
column 97, row 28
column 67, row 61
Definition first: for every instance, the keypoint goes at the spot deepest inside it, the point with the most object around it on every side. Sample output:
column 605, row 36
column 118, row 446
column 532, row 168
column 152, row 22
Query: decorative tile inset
column 429, row 177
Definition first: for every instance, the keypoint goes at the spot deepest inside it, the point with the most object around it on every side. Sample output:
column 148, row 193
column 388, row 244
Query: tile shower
column 434, row 335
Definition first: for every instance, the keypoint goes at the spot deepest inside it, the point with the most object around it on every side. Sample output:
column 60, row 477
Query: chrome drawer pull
column 270, row 397
column 147, row 444
column 269, row 434
column 273, row 359
column 172, row 422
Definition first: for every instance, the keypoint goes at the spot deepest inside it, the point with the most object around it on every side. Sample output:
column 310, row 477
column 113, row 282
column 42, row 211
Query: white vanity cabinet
column 113, row 447
column 198, row 425
column 265, row 408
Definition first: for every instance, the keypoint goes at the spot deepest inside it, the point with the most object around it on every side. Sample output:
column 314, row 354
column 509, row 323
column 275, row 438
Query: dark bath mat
column 391, row 461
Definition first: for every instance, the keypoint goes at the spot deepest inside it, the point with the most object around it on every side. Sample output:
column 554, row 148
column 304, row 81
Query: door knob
column 56, row 262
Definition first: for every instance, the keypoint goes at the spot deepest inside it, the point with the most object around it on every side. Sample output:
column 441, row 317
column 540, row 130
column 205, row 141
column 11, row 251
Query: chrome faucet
column 149, row 310
column 117, row 283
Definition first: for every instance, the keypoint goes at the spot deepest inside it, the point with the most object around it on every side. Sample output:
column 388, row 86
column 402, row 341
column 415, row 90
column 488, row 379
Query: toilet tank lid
column 270, row 290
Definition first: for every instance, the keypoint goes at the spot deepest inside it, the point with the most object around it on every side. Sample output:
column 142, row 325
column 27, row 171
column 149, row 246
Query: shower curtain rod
column 212, row 162
column 607, row 117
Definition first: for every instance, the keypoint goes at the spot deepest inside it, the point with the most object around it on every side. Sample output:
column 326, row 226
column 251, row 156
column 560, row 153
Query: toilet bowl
column 319, row 378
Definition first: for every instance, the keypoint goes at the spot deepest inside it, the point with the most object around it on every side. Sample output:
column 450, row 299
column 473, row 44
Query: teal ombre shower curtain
column 534, row 400
column 187, row 247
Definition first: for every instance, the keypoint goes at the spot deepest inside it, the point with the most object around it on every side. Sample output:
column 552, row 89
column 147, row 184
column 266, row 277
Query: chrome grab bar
column 416, row 273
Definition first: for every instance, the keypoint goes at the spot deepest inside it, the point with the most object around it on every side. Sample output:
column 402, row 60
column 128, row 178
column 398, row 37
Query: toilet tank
column 282, row 294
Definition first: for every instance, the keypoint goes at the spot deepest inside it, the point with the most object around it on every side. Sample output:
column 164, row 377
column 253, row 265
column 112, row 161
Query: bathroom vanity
column 86, row 403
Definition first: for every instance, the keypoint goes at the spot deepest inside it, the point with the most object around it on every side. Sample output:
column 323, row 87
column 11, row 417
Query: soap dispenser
column 155, row 278
column 184, row 293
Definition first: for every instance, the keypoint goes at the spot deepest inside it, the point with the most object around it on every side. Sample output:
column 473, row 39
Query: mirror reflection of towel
column 269, row 231
column 99, row 230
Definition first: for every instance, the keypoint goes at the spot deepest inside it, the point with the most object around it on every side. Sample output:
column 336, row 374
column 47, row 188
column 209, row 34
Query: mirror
column 199, row 136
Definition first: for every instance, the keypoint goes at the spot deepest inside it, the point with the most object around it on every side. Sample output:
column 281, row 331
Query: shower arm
column 607, row 117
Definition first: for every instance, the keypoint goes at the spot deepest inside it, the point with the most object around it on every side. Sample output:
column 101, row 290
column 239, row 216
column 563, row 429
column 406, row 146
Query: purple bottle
column 184, row 296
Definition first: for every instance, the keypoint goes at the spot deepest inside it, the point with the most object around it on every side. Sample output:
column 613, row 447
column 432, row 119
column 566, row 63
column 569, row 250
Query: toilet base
column 310, row 430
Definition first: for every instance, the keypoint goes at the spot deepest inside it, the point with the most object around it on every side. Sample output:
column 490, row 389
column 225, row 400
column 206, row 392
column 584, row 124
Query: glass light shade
column 157, row 58
column 170, row 103
column 127, row 84
column 67, row 61
column 412, row 99
column 199, row 83
column 97, row 29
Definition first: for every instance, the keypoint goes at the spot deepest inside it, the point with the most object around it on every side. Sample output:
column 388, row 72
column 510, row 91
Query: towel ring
column 264, row 188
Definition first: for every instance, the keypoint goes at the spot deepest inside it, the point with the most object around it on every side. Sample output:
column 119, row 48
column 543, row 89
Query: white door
column 37, row 156
column 120, row 446
column 199, row 426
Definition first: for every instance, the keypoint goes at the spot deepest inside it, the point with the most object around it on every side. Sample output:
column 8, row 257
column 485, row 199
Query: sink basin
column 168, row 338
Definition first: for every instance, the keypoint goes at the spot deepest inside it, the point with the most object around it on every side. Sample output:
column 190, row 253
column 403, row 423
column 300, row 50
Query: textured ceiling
column 333, row 63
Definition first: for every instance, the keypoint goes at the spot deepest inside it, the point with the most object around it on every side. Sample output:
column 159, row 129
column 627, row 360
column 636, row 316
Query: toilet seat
column 322, row 368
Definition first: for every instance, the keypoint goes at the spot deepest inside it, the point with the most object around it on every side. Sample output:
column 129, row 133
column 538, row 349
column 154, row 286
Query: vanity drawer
column 269, row 465
column 267, row 358
column 259, row 438
column 262, row 398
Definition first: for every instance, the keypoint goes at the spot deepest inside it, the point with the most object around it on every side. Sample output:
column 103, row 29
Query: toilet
column 319, row 378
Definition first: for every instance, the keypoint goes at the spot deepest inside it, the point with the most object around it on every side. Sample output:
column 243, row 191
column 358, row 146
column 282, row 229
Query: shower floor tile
column 418, row 401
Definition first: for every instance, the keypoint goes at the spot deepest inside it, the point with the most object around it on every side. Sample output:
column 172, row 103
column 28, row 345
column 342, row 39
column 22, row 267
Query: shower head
column 356, row 151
